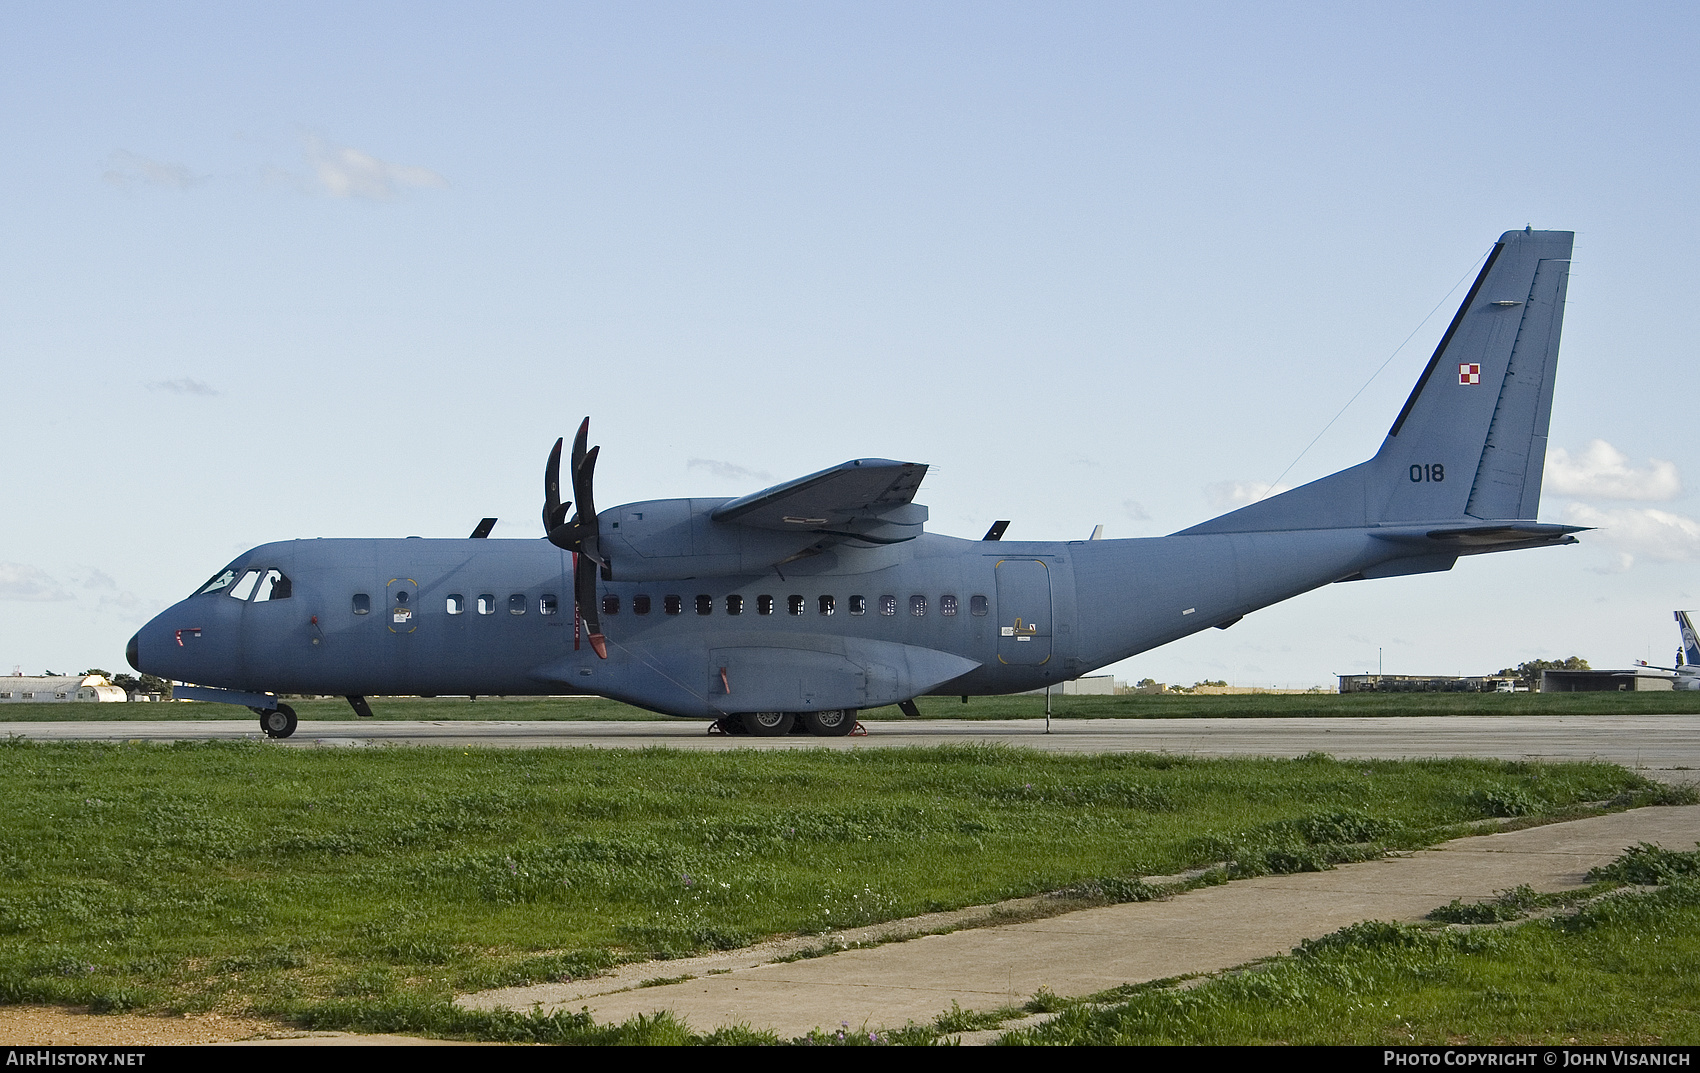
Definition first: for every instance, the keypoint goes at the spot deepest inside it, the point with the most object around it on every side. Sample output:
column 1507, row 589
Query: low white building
column 58, row 689
column 1095, row 685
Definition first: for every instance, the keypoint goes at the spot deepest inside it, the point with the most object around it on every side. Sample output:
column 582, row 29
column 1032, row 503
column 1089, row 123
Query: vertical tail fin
column 1470, row 442
column 1690, row 645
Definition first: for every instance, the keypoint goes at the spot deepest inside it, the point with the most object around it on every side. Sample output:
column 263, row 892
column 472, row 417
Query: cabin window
column 918, row 606
column 548, row 604
column 516, row 604
column 5, row 696
column 245, row 588
column 29, row 696
column 826, row 605
column 796, row 604
column 223, row 580
column 888, row 605
column 947, row 605
column 672, row 604
column 362, row 603
column 858, row 605
column 705, row 605
column 611, row 604
column 457, row 604
column 274, row 586
column 764, row 605
column 977, row 605
column 640, row 604
column 487, row 604
column 58, row 696
column 734, row 604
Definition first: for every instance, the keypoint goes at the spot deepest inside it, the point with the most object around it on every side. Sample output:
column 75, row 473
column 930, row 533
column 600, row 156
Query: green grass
column 1623, row 969
column 339, row 884
column 1127, row 706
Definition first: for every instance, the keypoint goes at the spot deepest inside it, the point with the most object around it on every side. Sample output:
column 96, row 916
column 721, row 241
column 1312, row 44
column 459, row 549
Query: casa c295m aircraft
column 803, row 603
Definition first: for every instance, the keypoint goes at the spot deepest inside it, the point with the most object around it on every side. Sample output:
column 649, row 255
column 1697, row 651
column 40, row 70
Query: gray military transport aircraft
column 798, row 605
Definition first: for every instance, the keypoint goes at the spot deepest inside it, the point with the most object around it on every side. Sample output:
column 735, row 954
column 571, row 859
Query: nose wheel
column 278, row 722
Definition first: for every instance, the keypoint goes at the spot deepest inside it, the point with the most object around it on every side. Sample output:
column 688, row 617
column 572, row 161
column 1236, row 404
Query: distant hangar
column 59, row 689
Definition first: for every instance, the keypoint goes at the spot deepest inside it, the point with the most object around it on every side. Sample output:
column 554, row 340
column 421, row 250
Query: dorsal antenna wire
column 1268, row 491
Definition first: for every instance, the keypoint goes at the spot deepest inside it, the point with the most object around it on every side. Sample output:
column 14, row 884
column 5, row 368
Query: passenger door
column 1024, row 612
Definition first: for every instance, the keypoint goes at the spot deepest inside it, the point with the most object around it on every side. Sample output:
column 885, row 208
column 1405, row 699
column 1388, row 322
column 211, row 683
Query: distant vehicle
column 1687, row 669
column 804, row 602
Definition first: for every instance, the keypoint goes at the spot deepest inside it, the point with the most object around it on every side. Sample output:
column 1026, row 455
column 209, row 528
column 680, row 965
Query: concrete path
column 1663, row 747
column 1080, row 953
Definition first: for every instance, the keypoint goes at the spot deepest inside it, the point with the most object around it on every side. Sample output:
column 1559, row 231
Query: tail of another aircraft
column 1469, row 446
column 1690, row 645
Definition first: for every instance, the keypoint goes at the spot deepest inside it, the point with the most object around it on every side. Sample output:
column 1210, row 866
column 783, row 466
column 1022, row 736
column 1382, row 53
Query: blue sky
column 348, row 270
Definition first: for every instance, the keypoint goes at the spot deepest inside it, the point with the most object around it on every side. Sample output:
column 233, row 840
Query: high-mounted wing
column 869, row 499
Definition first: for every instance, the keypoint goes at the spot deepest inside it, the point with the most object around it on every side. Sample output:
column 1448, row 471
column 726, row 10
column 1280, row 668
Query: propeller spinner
column 578, row 535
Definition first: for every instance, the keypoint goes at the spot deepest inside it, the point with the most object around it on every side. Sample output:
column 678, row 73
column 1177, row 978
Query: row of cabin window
column 547, row 604
column 796, row 605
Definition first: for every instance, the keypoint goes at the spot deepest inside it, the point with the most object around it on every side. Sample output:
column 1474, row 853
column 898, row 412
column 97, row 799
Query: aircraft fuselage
column 487, row 617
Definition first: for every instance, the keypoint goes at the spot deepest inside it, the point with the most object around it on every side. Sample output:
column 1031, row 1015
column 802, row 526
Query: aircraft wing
column 869, row 499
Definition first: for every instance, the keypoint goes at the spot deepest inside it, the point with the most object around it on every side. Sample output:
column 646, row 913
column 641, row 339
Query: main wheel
column 832, row 723
column 279, row 722
column 768, row 724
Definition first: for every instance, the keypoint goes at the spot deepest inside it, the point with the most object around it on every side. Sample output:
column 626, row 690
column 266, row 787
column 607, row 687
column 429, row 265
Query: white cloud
column 183, row 386
column 128, row 170
column 343, row 171
column 1135, row 510
column 1226, row 495
column 1601, row 470
column 19, row 581
column 126, row 604
column 1658, row 535
column 728, row 470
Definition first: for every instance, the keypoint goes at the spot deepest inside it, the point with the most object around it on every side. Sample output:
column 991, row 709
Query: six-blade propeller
column 579, row 535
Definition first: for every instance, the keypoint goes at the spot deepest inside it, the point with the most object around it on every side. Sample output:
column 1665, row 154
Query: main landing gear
column 833, row 723
column 277, row 722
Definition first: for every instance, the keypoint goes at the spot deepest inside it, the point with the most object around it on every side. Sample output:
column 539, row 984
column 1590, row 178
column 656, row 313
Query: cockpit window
column 245, row 588
column 274, row 586
column 220, row 581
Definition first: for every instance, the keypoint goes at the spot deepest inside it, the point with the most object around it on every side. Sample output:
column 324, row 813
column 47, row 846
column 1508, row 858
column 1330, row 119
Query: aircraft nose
column 131, row 649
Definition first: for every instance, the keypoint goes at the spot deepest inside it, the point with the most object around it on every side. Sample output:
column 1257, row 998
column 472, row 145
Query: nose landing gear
column 277, row 722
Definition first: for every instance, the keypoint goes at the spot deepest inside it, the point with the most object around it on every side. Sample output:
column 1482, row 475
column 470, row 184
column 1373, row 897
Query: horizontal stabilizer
column 1475, row 539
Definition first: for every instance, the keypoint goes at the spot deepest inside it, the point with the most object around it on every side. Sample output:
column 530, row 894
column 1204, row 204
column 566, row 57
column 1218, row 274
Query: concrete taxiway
column 1081, row 953
column 1666, row 747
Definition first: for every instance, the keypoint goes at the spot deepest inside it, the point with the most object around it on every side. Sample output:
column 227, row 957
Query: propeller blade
column 580, row 442
column 584, row 594
column 554, row 511
column 583, row 475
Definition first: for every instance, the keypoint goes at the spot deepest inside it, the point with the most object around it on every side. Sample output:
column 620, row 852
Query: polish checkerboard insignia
column 1470, row 374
